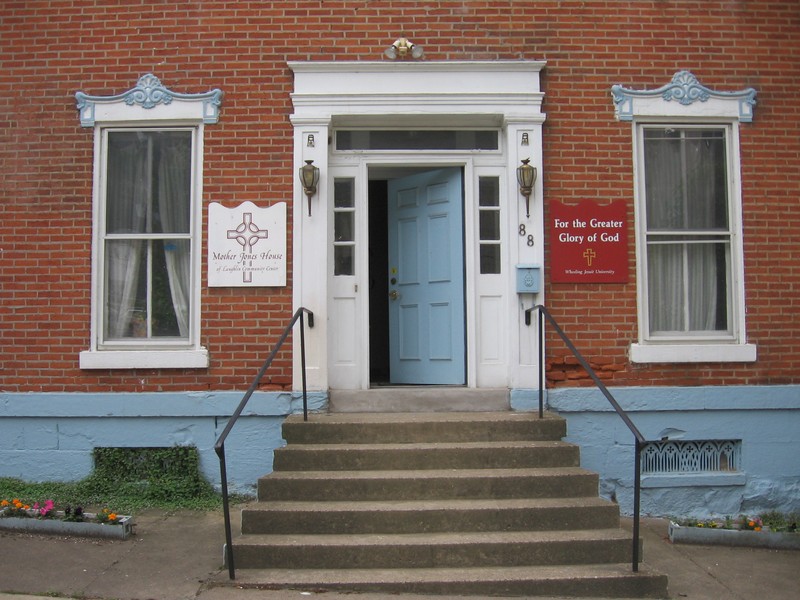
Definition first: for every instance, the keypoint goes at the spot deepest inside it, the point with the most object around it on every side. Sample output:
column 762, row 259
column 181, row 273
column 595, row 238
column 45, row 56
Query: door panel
column 345, row 322
column 426, row 278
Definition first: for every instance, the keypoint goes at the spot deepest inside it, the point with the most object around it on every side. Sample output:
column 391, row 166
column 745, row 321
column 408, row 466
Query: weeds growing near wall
column 129, row 479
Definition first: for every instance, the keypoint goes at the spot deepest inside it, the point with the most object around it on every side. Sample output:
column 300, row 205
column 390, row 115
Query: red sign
column 589, row 243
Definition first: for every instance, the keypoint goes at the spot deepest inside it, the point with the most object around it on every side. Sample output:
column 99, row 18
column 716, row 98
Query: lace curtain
column 173, row 200
column 687, row 224
column 147, row 199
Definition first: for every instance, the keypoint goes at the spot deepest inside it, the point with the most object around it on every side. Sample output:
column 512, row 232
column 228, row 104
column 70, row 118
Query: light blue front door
column 426, row 279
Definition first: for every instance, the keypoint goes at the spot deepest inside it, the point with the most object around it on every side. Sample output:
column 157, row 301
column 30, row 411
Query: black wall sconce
column 526, row 177
column 309, row 177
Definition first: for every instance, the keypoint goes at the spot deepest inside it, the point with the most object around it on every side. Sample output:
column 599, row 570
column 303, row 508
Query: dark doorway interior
column 378, row 283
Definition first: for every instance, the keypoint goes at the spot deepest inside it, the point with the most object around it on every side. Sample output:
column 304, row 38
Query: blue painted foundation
column 765, row 418
column 50, row 437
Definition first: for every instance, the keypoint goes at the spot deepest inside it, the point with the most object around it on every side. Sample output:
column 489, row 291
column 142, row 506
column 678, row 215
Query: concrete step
column 432, row 516
column 428, row 484
column 433, row 550
column 418, row 399
column 573, row 581
column 374, row 428
column 465, row 455
column 437, row 503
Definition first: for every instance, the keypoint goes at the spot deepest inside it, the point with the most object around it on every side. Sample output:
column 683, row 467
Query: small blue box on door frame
column 529, row 279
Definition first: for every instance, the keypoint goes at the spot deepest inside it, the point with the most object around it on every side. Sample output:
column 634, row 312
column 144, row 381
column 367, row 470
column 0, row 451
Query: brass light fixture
column 309, row 177
column 402, row 48
column 526, row 177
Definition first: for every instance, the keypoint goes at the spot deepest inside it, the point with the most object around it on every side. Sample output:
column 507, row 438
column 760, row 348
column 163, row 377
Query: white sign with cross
column 246, row 245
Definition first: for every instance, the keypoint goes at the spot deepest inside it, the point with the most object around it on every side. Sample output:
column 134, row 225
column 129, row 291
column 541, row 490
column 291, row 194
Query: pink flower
column 44, row 510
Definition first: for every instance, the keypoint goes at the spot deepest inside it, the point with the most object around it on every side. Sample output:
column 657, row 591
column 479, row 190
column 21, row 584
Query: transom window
column 416, row 139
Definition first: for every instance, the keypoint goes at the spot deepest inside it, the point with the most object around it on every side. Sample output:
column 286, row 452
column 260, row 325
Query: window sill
column 692, row 353
column 144, row 359
column 693, row 480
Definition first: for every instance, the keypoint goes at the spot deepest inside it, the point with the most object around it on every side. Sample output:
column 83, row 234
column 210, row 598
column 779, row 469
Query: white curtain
column 141, row 165
column 685, row 199
column 127, row 193
column 174, row 175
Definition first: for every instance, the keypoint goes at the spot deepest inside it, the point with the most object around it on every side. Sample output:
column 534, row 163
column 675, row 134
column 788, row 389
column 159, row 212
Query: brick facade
column 50, row 50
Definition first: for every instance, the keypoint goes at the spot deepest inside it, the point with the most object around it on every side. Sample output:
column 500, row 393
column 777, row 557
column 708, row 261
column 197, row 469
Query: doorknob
column 394, row 294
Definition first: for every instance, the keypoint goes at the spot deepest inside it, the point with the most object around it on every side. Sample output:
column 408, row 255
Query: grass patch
column 128, row 480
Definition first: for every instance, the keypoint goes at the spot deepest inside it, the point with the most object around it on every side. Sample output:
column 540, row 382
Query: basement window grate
column 699, row 456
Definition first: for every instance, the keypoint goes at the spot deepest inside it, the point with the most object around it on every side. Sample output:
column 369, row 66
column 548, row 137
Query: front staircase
column 484, row 504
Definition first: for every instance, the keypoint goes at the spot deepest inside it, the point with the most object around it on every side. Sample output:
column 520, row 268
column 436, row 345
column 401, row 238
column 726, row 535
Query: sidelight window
column 489, row 224
column 344, row 214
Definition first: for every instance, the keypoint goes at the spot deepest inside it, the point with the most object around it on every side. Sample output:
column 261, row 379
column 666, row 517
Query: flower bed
column 747, row 531
column 18, row 517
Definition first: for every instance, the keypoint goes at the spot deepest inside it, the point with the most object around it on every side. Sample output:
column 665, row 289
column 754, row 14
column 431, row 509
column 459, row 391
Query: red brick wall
column 50, row 50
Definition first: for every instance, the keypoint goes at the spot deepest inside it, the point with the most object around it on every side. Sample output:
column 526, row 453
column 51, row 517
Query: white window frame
column 150, row 106
column 735, row 270
column 685, row 103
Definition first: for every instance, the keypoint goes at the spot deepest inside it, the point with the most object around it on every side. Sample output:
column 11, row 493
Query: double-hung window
column 690, row 263
column 689, row 244
column 687, row 233
column 147, row 238
column 146, row 229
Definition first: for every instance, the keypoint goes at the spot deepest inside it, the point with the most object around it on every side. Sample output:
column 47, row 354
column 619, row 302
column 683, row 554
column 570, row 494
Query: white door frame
column 447, row 95
column 353, row 371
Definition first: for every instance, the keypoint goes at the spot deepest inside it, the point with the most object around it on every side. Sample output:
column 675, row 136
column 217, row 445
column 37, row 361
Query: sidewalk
column 179, row 557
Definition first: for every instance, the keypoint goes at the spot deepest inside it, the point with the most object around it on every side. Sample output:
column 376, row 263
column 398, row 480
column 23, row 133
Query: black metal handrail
column 640, row 440
column 219, row 446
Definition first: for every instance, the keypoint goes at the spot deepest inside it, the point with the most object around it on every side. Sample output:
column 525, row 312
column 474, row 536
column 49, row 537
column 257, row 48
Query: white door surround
column 504, row 96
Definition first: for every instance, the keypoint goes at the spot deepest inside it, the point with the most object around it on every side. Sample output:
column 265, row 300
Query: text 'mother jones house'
column 155, row 236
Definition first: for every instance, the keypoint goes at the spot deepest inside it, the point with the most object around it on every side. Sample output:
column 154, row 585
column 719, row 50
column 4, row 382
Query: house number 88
column 523, row 232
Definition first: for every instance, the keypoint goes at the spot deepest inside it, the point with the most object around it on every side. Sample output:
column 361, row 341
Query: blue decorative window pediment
column 150, row 93
column 684, row 90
